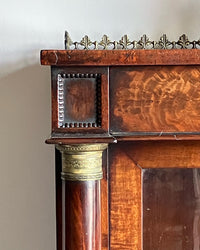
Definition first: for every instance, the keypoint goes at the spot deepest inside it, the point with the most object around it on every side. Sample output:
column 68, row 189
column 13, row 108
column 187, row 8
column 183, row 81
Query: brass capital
column 82, row 162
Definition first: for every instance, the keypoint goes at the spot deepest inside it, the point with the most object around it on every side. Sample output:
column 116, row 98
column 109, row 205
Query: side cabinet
column 126, row 128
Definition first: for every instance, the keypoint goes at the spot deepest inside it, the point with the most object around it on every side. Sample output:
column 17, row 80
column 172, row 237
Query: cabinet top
column 120, row 57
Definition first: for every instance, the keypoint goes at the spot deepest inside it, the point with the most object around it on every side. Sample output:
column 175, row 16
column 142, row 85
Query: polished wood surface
column 171, row 209
column 157, row 137
column 134, row 188
column 104, row 204
column 161, row 154
column 79, row 100
column 125, row 200
column 85, row 100
column 105, row 237
column 81, row 213
column 120, row 57
column 157, row 99
column 57, row 139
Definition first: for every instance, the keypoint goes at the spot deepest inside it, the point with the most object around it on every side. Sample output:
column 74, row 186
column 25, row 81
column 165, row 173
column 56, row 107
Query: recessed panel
column 171, row 211
column 78, row 102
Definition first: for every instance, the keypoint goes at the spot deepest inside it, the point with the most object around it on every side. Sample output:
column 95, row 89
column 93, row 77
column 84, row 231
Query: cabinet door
column 155, row 195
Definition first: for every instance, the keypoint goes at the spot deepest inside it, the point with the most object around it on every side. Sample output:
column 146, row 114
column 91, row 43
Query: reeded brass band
column 82, row 162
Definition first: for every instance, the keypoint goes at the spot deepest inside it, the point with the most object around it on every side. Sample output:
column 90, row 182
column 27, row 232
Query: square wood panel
column 79, row 99
column 79, row 104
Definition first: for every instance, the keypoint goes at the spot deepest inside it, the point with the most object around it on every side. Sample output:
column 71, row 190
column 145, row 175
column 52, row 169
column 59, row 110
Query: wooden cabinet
column 127, row 128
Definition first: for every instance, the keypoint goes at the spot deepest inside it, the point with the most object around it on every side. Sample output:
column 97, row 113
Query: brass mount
column 82, row 162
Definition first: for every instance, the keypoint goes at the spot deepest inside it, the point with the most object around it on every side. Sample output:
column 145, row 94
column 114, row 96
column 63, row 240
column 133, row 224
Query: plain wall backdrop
column 27, row 186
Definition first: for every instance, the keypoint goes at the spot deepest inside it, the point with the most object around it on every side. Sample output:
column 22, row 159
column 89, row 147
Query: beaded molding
column 60, row 96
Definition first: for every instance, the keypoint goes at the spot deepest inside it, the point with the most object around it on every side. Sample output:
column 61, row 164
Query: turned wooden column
column 81, row 203
column 80, row 131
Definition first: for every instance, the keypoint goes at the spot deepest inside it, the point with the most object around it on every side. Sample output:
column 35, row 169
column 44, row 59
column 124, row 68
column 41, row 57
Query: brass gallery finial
column 125, row 43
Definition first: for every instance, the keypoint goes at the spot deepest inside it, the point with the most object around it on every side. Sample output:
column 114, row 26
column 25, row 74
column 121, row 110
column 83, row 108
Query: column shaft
column 81, row 203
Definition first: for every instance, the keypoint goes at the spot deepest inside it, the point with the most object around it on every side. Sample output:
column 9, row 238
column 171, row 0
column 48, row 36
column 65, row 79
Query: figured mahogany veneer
column 146, row 105
column 155, row 99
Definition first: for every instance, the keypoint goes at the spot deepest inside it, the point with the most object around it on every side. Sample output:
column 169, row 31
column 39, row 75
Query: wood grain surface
column 125, row 201
column 157, row 137
column 105, row 203
column 120, row 57
column 104, row 215
column 171, row 209
column 155, row 99
column 85, row 100
column 75, row 140
column 81, row 215
column 128, row 161
column 80, row 100
column 161, row 154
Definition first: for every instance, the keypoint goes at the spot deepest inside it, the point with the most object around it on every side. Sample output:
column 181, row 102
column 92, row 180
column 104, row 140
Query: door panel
column 171, row 212
column 154, row 195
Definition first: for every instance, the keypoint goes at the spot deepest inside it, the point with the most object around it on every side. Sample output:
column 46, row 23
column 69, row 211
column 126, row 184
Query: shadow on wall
column 27, row 165
column 25, row 104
